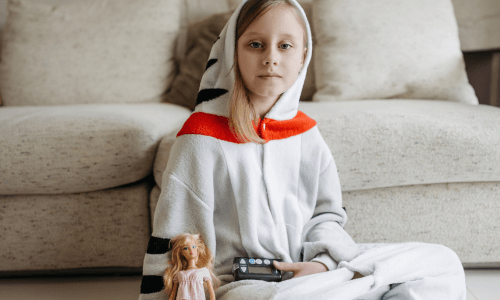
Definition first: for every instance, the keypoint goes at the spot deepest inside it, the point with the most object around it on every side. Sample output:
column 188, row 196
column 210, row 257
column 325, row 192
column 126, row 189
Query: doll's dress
column 191, row 284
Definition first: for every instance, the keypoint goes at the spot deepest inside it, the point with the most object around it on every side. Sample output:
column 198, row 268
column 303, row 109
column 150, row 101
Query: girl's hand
column 301, row 268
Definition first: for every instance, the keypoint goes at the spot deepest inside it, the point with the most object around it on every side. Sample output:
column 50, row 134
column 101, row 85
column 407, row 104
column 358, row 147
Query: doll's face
column 271, row 53
column 190, row 249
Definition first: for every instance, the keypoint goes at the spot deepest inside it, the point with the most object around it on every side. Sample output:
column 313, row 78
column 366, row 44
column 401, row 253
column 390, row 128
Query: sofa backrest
column 79, row 52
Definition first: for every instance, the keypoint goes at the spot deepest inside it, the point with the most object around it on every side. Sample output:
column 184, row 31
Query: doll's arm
column 173, row 293
column 211, row 291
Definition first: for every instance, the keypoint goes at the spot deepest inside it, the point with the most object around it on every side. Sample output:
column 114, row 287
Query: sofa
column 93, row 94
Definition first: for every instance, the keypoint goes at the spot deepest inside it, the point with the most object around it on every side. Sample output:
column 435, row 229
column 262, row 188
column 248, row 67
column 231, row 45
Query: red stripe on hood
column 268, row 129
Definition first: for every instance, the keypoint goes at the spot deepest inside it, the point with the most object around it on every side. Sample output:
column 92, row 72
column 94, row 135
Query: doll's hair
column 179, row 262
column 241, row 110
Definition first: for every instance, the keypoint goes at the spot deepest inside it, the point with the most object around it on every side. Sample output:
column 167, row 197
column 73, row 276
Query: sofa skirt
column 461, row 216
column 103, row 229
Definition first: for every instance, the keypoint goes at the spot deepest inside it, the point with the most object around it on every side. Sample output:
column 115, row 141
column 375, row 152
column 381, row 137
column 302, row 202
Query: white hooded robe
column 281, row 199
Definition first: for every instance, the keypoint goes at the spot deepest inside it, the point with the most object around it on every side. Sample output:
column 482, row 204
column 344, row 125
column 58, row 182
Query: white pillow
column 88, row 51
column 404, row 49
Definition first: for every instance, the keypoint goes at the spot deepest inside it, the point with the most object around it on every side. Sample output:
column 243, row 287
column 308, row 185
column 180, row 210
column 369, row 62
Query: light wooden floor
column 482, row 284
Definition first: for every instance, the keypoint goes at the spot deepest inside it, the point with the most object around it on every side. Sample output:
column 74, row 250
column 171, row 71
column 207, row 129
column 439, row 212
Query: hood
column 217, row 82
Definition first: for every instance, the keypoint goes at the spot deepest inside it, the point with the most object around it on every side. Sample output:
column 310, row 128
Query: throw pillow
column 88, row 51
column 200, row 39
column 385, row 49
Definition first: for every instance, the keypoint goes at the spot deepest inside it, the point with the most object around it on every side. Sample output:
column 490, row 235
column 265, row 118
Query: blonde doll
column 191, row 267
column 252, row 174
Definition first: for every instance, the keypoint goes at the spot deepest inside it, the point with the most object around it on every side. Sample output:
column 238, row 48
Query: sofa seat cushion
column 384, row 143
column 81, row 148
column 107, row 228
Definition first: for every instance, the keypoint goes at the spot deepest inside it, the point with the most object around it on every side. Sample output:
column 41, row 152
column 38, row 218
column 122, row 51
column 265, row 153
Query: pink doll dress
column 191, row 284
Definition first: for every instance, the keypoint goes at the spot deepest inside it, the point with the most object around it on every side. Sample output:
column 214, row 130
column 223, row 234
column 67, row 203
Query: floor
column 482, row 284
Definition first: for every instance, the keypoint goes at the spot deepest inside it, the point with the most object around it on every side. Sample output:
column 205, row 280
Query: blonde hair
column 241, row 110
column 179, row 262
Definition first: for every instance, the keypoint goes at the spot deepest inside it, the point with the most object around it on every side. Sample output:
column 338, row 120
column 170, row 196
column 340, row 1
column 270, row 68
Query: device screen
column 260, row 270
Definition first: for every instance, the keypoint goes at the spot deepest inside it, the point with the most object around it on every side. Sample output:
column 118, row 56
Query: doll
column 191, row 268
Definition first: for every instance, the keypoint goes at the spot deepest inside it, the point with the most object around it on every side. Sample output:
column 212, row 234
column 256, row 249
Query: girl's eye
column 194, row 246
column 287, row 46
column 255, row 45
column 185, row 248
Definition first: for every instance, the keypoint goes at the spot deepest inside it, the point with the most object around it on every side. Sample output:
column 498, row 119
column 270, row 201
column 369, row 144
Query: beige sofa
column 85, row 138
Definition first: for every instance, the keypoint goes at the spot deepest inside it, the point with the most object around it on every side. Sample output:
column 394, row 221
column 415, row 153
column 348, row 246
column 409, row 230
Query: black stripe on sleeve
column 152, row 284
column 209, row 94
column 211, row 63
column 158, row 245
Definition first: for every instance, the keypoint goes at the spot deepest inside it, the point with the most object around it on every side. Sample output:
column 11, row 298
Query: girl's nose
column 271, row 57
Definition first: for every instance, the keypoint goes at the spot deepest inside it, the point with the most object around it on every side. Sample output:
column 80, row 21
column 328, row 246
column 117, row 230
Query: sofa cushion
column 81, row 148
column 90, row 51
column 200, row 39
column 388, row 49
column 86, row 230
column 383, row 143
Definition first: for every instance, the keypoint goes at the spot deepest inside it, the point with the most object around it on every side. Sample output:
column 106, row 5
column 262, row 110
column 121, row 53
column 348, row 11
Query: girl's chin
column 271, row 95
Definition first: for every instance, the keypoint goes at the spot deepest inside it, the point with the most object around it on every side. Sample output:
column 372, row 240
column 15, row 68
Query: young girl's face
column 271, row 53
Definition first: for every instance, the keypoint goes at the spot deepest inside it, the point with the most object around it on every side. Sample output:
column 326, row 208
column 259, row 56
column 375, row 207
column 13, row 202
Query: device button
column 259, row 261
column 267, row 261
column 242, row 261
column 243, row 269
column 252, row 261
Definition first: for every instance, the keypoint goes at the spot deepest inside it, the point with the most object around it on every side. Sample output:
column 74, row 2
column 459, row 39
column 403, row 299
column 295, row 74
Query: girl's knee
column 444, row 254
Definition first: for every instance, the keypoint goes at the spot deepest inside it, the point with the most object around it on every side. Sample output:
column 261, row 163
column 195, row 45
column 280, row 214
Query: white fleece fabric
column 281, row 199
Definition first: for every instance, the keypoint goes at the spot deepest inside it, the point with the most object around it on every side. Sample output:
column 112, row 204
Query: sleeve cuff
column 327, row 260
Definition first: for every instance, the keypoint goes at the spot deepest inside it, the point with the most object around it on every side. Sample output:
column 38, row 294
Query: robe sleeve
column 324, row 238
column 185, row 205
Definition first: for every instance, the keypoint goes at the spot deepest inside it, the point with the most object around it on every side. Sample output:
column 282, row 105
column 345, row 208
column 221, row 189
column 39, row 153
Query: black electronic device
column 256, row 269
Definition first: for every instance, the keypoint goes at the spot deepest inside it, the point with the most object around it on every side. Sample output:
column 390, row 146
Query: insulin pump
column 256, row 269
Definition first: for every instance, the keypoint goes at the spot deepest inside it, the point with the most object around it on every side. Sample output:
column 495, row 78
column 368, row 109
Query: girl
column 253, row 175
column 191, row 266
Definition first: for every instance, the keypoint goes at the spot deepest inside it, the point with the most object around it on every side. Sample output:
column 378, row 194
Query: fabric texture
column 389, row 49
column 200, row 39
column 461, row 216
column 77, row 52
column 383, row 143
column 217, row 126
column 99, row 229
column 191, row 284
column 81, row 148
